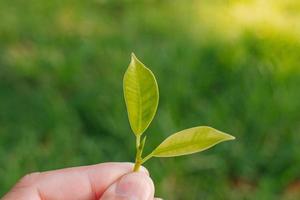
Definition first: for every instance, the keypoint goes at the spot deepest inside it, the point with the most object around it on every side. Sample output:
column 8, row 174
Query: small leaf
column 190, row 141
column 141, row 95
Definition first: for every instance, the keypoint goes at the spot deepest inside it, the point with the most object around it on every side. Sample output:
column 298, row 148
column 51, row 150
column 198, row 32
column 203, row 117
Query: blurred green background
column 233, row 65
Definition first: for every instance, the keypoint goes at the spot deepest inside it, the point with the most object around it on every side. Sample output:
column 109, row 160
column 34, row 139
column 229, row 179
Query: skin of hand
column 106, row 181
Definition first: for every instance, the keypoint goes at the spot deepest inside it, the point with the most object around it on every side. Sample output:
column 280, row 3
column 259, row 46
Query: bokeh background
column 233, row 65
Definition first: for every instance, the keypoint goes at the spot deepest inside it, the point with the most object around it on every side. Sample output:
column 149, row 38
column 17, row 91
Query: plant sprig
column 141, row 98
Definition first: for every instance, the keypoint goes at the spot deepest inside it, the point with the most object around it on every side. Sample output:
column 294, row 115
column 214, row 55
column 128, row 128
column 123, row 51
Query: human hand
column 106, row 181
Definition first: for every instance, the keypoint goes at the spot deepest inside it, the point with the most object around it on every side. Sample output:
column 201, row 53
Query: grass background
column 233, row 65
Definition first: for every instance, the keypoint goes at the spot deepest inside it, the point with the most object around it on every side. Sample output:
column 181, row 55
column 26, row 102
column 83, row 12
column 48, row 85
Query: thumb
column 133, row 186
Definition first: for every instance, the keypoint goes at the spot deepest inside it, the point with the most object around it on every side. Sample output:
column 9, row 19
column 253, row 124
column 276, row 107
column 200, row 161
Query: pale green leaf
column 190, row 141
column 141, row 95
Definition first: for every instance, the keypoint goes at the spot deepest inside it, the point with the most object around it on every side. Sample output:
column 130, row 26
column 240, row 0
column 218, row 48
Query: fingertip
column 136, row 185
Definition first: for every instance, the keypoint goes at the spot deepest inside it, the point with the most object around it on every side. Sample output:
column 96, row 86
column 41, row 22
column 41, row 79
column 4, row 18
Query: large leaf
column 190, row 141
column 141, row 95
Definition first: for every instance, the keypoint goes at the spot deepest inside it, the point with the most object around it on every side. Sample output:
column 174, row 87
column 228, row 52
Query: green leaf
column 190, row 141
column 141, row 95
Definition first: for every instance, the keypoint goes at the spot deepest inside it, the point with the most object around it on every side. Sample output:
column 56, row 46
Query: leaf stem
column 138, row 141
column 139, row 152
column 147, row 158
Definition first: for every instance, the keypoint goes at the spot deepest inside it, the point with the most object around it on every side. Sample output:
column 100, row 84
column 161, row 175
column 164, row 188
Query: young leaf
column 141, row 95
column 190, row 141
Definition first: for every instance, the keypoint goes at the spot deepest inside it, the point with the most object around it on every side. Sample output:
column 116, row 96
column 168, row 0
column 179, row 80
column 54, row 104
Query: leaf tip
column 225, row 136
column 133, row 57
column 135, row 62
column 230, row 137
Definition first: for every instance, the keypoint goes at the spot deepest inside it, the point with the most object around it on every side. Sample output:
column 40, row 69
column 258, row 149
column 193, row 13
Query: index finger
column 84, row 183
